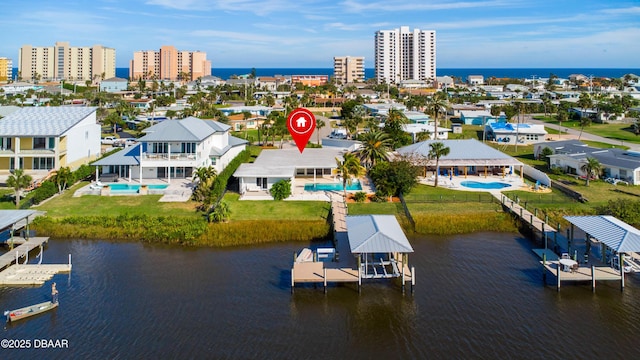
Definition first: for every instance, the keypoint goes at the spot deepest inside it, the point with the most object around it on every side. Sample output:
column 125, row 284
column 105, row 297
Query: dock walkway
column 23, row 249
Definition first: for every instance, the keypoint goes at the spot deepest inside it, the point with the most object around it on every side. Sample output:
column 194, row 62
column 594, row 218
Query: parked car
column 109, row 140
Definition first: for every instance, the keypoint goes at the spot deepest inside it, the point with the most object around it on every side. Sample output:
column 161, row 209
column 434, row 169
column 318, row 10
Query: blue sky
column 309, row 33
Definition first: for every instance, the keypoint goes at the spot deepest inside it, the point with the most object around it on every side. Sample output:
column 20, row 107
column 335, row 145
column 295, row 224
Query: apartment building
column 348, row 69
column 168, row 63
column 65, row 62
column 6, row 68
column 403, row 54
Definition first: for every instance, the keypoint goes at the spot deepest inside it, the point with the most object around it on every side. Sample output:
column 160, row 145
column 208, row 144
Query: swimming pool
column 133, row 188
column 355, row 186
column 496, row 185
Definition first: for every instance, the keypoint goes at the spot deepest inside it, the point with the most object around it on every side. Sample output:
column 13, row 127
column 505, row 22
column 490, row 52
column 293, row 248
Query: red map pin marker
column 301, row 123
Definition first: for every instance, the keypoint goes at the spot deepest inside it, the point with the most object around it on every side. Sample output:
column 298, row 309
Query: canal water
column 477, row 296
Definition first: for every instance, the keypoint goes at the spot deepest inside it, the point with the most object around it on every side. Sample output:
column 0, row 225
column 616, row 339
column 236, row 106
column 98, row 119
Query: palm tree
column 347, row 168
column 375, row 147
column 591, row 168
column 63, row 177
column 584, row 102
column 436, row 105
column 319, row 125
column 562, row 115
column 436, row 151
column 18, row 181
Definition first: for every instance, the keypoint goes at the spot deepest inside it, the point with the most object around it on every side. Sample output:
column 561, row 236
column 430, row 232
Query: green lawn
column 621, row 132
column 275, row 210
column 375, row 208
column 91, row 205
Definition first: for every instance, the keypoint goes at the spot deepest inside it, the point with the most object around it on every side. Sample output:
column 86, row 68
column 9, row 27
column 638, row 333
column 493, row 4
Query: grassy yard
column 90, row 205
column 275, row 210
column 622, row 132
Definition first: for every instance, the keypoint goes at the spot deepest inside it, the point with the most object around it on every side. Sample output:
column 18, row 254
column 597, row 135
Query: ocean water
column 462, row 73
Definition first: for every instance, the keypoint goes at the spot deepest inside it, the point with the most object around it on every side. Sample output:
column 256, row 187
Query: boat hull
column 25, row 312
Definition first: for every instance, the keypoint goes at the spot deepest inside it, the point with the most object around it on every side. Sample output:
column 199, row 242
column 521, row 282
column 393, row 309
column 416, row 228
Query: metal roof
column 283, row 162
column 462, row 152
column 43, row 121
column 128, row 156
column 10, row 217
column 188, row 129
column 376, row 234
column 613, row 232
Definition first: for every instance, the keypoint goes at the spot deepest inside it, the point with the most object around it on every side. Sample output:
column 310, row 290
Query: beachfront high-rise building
column 348, row 69
column 6, row 68
column 403, row 54
column 64, row 62
column 169, row 64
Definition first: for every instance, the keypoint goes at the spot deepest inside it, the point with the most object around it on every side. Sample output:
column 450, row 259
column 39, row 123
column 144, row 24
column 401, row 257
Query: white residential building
column 403, row 54
column 175, row 149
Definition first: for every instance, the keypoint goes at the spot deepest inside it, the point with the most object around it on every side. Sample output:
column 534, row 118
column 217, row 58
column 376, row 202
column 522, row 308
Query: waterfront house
column 174, row 149
column 466, row 157
column 274, row 165
column 477, row 117
column 40, row 139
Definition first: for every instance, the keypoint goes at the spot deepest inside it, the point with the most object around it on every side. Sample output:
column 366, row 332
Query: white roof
column 43, row 121
column 283, row 162
column 613, row 232
column 376, row 234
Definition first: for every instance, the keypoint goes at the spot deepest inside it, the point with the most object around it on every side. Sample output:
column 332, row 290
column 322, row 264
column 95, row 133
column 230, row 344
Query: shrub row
column 152, row 229
column 249, row 232
column 220, row 183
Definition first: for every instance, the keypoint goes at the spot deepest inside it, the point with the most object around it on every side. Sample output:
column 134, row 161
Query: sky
column 309, row 33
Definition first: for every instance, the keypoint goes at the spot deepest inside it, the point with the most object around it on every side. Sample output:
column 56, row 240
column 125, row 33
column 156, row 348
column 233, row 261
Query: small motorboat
column 25, row 312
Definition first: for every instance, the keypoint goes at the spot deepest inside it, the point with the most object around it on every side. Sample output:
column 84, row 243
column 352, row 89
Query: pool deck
column 178, row 190
column 299, row 193
column 455, row 182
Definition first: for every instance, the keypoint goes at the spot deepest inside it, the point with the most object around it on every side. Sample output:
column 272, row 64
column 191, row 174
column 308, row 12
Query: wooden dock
column 31, row 274
column 582, row 274
column 525, row 215
column 343, row 268
column 21, row 251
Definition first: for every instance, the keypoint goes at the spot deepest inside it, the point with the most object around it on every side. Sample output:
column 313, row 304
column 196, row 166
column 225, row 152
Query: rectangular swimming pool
column 355, row 186
column 118, row 188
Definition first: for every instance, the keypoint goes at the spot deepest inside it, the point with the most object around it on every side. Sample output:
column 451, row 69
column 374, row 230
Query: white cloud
column 363, row 6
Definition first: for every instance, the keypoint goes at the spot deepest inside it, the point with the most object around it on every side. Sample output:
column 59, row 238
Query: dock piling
column 593, row 278
column 325, row 279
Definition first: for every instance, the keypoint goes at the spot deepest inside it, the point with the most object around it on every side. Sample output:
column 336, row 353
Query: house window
column 39, row 143
column 188, row 148
column 5, row 143
column 42, row 163
column 160, row 148
column 214, row 161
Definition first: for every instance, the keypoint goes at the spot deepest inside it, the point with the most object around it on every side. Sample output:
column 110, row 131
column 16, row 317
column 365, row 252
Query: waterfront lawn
column 275, row 210
column 376, row 208
column 91, row 205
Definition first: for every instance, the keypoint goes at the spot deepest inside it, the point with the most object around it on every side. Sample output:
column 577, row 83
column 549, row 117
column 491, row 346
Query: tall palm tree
column 591, row 168
column 348, row 168
column 562, row 115
column 584, row 102
column 18, row 181
column 319, row 125
column 435, row 106
column 436, row 151
column 375, row 148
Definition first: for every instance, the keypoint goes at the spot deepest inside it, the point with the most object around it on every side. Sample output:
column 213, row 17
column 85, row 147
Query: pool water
column 355, row 186
column 134, row 188
column 485, row 186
